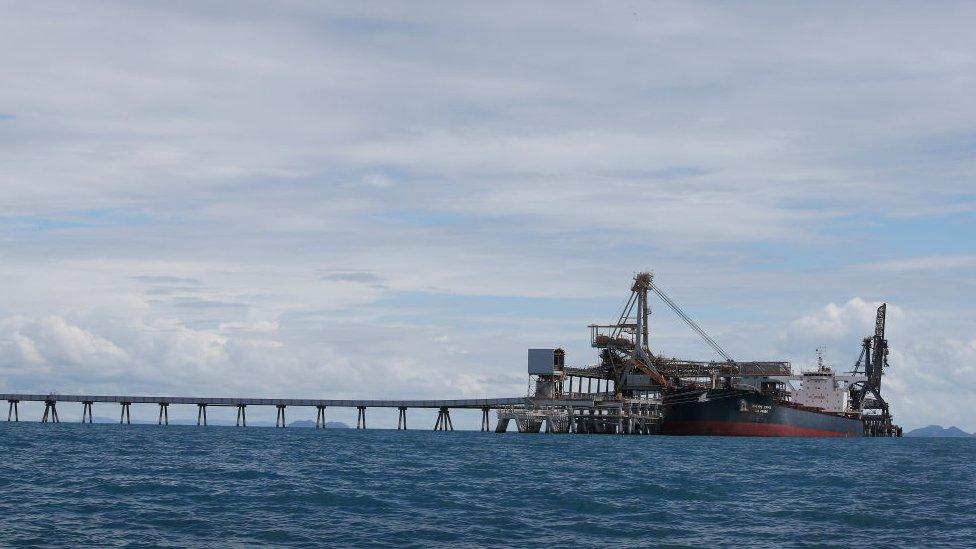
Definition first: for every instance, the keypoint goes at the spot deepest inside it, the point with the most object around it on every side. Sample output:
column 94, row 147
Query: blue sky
column 318, row 199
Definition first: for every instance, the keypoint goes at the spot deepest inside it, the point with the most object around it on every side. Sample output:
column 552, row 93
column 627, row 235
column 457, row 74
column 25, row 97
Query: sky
column 396, row 200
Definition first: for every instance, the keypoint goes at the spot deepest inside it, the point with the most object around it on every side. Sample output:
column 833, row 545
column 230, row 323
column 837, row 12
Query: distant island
column 938, row 431
column 309, row 423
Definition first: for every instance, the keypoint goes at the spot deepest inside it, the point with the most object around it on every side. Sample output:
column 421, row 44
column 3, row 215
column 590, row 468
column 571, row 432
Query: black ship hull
column 737, row 412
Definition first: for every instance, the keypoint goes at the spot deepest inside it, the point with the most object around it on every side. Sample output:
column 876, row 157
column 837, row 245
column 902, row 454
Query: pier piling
column 126, row 413
column 50, row 412
column 320, row 417
column 444, row 420
column 13, row 410
column 201, row 414
column 402, row 418
column 86, row 410
column 361, row 417
column 242, row 415
column 485, row 421
column 280, row 418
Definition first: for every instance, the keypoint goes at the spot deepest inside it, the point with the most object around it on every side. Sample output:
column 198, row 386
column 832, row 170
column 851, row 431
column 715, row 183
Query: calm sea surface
column 139, row 485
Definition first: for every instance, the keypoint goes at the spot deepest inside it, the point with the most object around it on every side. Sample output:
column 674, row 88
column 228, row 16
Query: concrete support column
column 163, row 413
column 86, row 410
column 13, row 410
column 320, row 417
column 201, row 414
column 485, row 419
column 126, row 416
column 242, row 415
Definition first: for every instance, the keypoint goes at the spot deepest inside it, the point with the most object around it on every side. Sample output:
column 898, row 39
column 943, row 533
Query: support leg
column 199, row 413
column 10, row 410
column 166, row 415
column 447, row 416
column 54, row 413
column 244, row 416
column 16, row 412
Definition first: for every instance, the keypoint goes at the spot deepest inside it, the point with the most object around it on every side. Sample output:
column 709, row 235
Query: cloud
column 928, row 263
column 261, row 326
column 55, row 343
column 835, row 322
column 362, row 277
column 167, row 280
column 378, row 180
column 303, row 202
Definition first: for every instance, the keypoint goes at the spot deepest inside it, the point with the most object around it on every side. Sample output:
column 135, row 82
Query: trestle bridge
column 575, row 412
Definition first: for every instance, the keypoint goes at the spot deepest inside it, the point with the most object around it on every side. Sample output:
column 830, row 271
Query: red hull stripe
column 745, row 429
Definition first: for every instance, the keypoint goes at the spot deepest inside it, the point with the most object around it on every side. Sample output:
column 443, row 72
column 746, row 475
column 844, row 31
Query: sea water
column 140, row 485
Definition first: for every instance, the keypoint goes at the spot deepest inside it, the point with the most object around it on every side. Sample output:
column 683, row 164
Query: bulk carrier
column 638, row 391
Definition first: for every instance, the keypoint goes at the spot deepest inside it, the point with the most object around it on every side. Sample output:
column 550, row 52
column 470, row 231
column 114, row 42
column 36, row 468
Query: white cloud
column 926, row 263
column 235, row 201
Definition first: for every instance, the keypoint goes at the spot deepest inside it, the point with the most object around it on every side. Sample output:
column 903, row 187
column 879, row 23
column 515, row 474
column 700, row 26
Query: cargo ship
column 737, row 412
column 818, row 408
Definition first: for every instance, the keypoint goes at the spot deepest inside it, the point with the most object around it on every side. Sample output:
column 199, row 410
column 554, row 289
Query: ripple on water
column 107, row 485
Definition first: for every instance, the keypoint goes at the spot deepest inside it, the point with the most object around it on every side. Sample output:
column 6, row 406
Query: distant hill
column 309, row 423
column 937, row 431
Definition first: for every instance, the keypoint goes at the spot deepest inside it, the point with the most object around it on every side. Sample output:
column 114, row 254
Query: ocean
column 143, row 485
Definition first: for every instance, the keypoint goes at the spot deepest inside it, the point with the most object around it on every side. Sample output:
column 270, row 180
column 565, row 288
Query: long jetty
column 443, row 423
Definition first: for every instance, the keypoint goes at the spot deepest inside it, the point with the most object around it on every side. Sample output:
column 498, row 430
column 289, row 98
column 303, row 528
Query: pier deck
column 476, row 403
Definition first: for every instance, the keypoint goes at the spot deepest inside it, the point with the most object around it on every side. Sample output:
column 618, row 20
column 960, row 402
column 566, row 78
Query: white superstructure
column 823, row 388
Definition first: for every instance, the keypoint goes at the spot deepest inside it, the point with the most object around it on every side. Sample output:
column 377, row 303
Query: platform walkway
column 444, row 407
